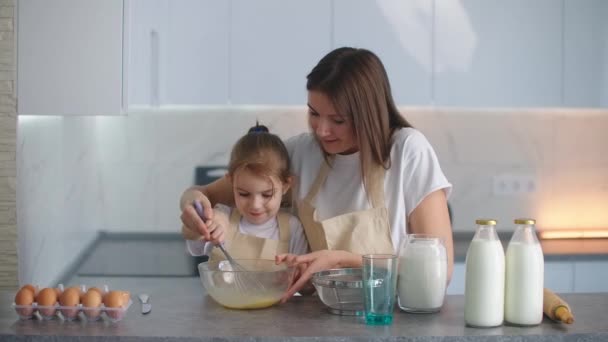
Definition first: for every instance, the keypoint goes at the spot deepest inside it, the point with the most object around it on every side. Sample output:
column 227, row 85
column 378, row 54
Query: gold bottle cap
column 485, row 222
column 525, row 221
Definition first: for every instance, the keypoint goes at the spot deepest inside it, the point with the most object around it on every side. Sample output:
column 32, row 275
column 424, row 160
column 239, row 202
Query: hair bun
column 258, row 129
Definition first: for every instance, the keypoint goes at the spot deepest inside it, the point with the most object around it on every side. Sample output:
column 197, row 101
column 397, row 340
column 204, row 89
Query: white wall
column 58, row 195
column 562, row 150
column 79, row 175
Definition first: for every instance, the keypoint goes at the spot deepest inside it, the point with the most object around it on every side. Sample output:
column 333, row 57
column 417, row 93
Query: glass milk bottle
column 525, row 271
column 485, row 278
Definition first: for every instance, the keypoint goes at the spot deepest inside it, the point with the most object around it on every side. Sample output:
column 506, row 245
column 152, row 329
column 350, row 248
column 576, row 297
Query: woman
column 364, row 176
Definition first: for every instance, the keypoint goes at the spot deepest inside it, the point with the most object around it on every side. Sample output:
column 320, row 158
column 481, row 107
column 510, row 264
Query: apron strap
column 233, row 227
column 316, row 185
column 284, row 228
column 231, row 232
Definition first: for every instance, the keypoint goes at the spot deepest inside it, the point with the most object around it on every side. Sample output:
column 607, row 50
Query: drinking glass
column 379, row 283
column 422, row 273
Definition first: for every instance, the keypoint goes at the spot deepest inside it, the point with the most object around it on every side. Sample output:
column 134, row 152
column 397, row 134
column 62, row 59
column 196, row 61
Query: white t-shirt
column 414, row 174
column 268, row 230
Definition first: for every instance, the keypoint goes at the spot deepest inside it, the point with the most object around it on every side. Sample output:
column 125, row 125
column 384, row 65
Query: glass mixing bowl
column 341, row 290
column 261, row 284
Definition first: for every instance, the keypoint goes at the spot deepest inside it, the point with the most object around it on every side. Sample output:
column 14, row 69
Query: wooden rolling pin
column 556, row 308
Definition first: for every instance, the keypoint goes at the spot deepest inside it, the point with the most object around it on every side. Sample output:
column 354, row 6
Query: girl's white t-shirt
column 268, row 230
column 414, row 174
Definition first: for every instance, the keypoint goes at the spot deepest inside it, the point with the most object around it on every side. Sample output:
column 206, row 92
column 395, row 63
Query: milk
column 524, row 283
column 484, row 283
column 422, row 276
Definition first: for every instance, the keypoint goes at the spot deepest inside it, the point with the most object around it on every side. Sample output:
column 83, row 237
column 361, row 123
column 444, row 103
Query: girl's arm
column 431, row 217
column 298, row 243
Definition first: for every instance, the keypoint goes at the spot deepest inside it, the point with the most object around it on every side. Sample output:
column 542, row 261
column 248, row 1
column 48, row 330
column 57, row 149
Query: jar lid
column 486, row 222
column 525, row 221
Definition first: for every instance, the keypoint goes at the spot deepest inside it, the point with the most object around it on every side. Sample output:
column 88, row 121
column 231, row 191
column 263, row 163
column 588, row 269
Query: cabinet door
column 586, row 53
column 399, row 32
column 559, row 276
column 177, row 53
column 591, row 276
column 494, row 53
column 274, row 45
column 69, row 57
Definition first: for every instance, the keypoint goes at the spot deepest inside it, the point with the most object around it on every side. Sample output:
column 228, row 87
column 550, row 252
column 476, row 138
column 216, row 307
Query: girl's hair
column 262, row 153
column 356, row 83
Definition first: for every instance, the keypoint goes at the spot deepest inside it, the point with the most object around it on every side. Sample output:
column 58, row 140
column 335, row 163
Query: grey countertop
column 183, row 313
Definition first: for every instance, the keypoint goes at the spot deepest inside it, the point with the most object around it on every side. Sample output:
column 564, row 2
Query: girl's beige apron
column 361, row 232
column 241, row 246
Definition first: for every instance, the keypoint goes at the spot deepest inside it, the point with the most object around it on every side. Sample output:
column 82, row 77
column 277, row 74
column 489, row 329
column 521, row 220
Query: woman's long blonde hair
column 357, row 84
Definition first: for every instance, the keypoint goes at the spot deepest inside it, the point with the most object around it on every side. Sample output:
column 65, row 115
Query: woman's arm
column 219, row 191
column 208, row 195
column 431, row 217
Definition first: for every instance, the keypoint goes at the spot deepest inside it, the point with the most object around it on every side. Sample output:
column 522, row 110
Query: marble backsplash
column 81, row 175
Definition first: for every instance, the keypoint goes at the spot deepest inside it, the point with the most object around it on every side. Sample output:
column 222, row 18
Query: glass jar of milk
column 484, row 292
column 525, row 272
column 422, row 273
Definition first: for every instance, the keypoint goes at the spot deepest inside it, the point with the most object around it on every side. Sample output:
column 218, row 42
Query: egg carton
column 71, row 313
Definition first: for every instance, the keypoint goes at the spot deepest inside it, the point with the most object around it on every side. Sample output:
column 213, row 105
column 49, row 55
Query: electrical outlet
column 513, row 184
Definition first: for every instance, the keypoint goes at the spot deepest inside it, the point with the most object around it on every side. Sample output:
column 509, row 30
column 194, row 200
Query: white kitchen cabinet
column 452, row 53
column 591, row 276
column 274, row 45
column 399, row 32
column 559, row 276
column 586, row 53
column 69, row 57
column 177, row 53
column 494, row 53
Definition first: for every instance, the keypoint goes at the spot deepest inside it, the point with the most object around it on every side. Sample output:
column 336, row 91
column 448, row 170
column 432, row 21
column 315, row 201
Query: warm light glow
column 577, row 210
column 546, row 234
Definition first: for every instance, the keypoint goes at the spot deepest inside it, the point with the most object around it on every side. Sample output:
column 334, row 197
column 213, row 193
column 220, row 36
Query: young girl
column 256, row 228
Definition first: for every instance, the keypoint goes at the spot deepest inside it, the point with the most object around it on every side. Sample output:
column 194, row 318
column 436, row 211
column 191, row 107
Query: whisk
column 240, row 275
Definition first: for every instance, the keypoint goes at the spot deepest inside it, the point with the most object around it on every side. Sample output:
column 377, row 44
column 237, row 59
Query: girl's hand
column 308, row 264
column 194, row 227
column 217, row 230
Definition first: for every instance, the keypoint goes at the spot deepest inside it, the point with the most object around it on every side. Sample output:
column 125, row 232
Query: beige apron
column 361, row 232
column 242, row 246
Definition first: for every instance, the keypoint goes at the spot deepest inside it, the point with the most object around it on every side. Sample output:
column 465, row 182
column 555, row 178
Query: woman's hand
column 308, row 264
column 194, row 227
